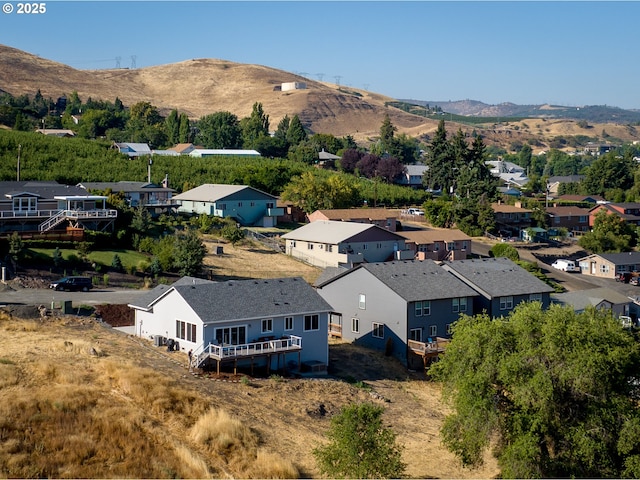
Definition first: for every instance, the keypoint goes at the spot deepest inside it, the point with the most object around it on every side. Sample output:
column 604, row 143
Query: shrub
column 504, row 250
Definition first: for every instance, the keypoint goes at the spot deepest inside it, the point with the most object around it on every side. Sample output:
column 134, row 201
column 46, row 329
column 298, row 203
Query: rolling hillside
column 202, row 86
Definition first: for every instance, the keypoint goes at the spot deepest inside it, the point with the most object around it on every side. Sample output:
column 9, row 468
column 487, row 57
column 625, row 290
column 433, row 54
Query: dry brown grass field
column 199, row 87
column 250, row 259
column 81, row 400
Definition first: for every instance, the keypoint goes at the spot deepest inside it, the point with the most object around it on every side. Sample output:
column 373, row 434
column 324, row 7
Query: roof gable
column 215, row 192
column 335, row 232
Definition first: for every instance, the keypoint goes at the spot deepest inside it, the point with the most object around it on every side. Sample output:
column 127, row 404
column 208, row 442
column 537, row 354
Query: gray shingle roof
column 497, row 277
column 335, row 232
column 415, row 280
column 581, row 299
column 250, row 299
column 145, row 300
column 624, row 258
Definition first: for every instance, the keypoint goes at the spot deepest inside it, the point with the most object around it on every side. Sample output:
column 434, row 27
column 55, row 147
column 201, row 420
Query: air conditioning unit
column 158, row 340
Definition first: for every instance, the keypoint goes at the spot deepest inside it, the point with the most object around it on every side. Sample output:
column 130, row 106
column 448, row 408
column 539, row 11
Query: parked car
column 634, row 281
column 415, row 211
column 565, row 265
column 72, row 284
column 626, row 277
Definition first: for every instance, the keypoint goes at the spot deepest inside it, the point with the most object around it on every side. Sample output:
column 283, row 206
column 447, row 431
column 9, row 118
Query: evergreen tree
column 184, row 131
column 296, row 132
column 172, row 125
column 189, row 253
column 440, row 162
column 255, row 126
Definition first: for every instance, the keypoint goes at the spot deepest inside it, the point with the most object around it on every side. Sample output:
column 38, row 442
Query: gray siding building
column 385, row 305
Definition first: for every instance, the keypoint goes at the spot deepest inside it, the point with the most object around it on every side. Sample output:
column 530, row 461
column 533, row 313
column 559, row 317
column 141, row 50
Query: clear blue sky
column 568, row 53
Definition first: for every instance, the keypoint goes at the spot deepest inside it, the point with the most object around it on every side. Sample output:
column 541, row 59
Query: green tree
column 360, row 446
column 116, row 263
column 296, row 132
column 16, row 247
column 184, row 130
column 610, row 234
column 172, row 126
column 219, row 130
column 554, row 392
column 608, row 172
column 440, row 160
column 57, row 257
column 254, row 126
column 232, row 233
column 312, row 192
column 189, row 253
column 141, row 220
column 505, row 250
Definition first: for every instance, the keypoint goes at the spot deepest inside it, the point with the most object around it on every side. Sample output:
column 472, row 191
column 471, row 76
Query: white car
column 565, row 265
column 415, row 211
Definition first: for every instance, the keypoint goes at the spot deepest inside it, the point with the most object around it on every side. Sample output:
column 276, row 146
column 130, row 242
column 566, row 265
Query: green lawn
column 129, row 258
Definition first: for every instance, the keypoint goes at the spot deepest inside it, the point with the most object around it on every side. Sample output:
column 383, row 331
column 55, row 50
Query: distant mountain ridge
column 593, row 113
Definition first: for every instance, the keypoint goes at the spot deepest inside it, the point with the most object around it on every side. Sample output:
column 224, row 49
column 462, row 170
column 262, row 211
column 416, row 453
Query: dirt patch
column 116, row 315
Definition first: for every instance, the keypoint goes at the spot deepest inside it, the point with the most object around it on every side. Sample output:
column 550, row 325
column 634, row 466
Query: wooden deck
column 429, row 351
column 250, row 351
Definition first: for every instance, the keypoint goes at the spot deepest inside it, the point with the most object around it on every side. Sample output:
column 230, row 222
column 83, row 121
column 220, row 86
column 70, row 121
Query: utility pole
column 149, row 170
column 19, row 148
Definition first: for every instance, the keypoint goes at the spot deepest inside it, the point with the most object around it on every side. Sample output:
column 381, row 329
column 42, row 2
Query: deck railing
column 436, row 345
column 264, row 347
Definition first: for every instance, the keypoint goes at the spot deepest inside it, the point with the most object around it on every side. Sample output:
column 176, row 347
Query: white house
column 276, row 322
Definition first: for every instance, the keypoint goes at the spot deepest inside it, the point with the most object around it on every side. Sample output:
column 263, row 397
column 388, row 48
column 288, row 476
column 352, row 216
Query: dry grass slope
column 81, row 400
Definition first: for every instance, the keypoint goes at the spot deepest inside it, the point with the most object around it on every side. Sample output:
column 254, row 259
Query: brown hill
column 202, row 86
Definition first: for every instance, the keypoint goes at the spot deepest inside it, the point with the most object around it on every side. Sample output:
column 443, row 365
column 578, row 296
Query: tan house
column 608, row 265
column 438, row 244
column 325, row 243
column 375, row 216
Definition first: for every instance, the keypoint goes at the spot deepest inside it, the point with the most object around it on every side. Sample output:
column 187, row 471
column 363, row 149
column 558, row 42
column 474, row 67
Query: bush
column 504, row 250
column 116, row 263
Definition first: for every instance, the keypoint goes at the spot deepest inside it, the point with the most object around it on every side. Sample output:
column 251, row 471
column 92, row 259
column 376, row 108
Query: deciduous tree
column 553, row 392
column 360, row 446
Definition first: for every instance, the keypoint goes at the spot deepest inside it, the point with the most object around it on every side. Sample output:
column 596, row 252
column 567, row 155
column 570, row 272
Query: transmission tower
column 337, row 77
column 133, row 62
column 320, row 76
column 118, row 62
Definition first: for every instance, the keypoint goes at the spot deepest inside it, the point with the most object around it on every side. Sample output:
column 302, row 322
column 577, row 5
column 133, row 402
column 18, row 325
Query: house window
column 362, row 301
column 604, row 268
column 288, row 323
column 436, row 247
column 433, row 330
column 364, row 246
column 378, row 330
column 25, row 204
column 423, row 308
column 186, row 331
column 223, row 206
column 311, row 322
column 355, row 325
column 329, row 248
column 267, row 325
column 270, row 205
column 535, row 297
column 465, row 245
column 321, row 246
column 293, row 244
column 239, row 204
column 451, row 246
column 231, row 335
column 506, row 303
column 415, row 334
column 309, row 246
column 460, row 304
column 583, row 219
column 557, row 219
column 449, row 328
